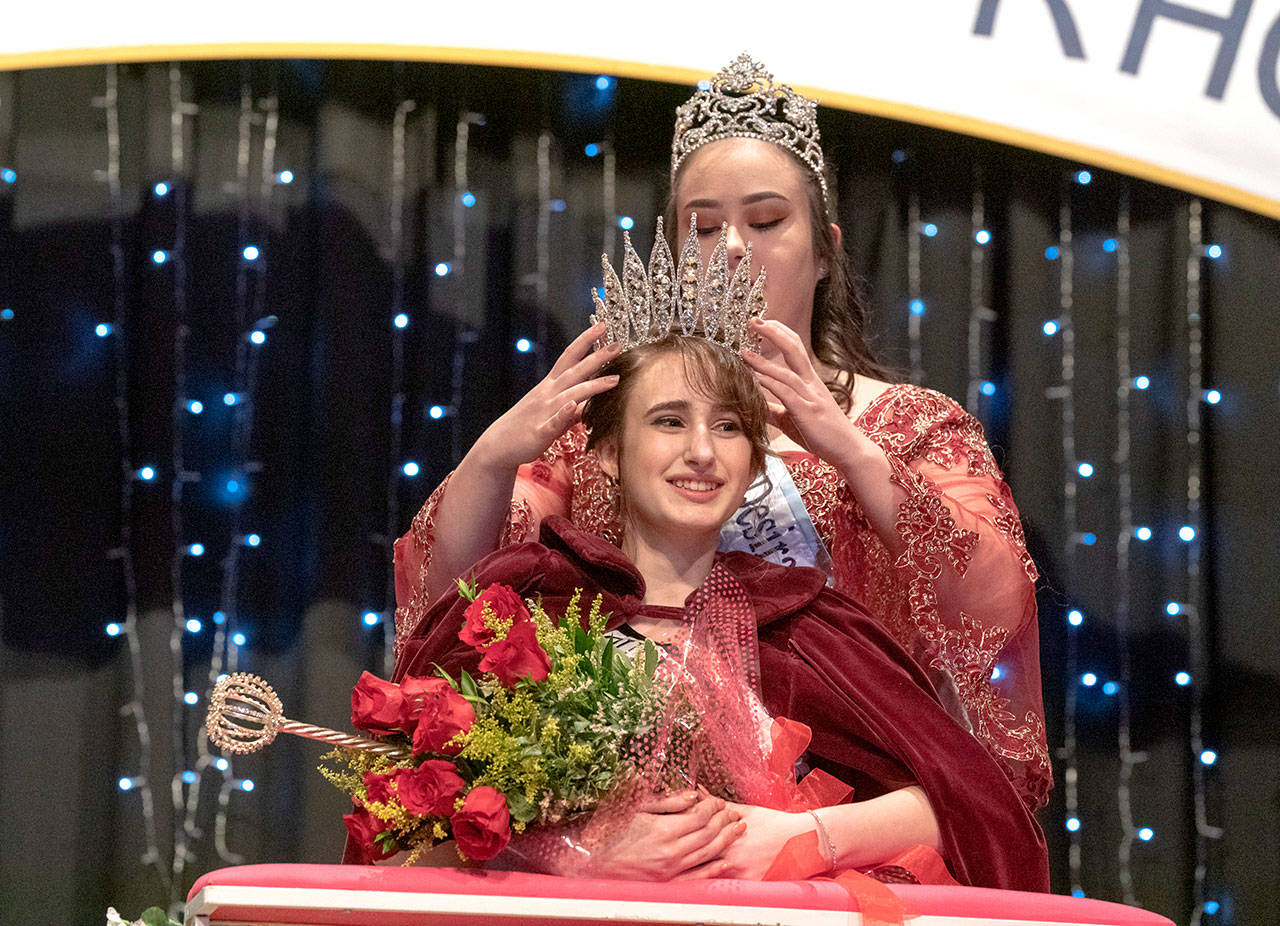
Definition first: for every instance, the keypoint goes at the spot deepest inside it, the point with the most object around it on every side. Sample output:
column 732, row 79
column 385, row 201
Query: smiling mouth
column 696, row 486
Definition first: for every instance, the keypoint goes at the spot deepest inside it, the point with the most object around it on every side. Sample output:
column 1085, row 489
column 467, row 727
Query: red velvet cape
column 825, row 662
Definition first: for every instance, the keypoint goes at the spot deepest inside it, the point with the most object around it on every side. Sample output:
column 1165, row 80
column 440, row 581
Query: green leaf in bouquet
column 469, row 591
column 521, row 810
column 606, row 661
column 581, row 643
column 467, row 686
column 154, row 916
column 650, row 658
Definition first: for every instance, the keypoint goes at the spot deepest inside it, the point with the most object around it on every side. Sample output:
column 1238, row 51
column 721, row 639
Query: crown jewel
column 677, row 296
column 744, row 102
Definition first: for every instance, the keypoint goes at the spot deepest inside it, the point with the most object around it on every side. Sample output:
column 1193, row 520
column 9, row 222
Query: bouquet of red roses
column 542, row 733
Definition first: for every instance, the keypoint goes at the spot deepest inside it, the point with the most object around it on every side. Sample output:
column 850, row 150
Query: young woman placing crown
column 897, row 482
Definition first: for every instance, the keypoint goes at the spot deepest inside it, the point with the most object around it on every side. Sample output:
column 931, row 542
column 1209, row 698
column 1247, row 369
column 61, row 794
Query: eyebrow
column 680, row 405
column 748, row 200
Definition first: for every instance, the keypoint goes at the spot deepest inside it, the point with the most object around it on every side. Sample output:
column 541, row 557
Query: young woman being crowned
column 890, row 488
column 678, row 427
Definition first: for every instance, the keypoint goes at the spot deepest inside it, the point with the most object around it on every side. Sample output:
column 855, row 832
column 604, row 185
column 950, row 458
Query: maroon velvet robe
column 876, row 720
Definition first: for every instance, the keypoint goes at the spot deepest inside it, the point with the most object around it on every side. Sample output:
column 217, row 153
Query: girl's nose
column 698, row 449
column 737, row 246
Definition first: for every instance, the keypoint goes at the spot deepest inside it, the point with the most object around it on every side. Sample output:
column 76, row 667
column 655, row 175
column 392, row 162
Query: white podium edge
column 201, row 907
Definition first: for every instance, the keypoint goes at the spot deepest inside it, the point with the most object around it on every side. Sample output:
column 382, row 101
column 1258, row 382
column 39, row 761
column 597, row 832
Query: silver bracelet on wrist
column 824, row 839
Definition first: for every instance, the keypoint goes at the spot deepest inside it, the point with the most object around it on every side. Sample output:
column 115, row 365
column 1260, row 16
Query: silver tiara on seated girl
column 744, row 102
column 643, row 307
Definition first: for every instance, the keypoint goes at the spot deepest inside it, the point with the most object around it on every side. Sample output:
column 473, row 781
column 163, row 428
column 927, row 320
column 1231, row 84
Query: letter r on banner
column 1230, row 27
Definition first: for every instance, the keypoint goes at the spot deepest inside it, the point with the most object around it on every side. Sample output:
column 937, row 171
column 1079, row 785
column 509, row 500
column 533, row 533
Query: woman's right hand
column 670, row 837
column 550, row 408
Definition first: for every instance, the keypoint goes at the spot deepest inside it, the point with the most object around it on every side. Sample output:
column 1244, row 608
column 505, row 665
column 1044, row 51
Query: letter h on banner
column 1230, row 27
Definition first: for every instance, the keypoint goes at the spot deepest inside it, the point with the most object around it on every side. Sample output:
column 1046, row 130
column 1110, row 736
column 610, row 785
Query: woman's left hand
column 799, row 401
column 752, row 854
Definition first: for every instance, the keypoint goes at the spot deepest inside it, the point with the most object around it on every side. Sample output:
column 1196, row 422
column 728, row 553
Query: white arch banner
column 1183, row 92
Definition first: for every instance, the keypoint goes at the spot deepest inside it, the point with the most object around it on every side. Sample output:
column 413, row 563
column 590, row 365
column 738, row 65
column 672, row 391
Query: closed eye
column 760, row 226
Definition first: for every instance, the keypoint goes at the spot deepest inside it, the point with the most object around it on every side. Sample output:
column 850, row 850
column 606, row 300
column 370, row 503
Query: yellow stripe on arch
column 557, row 61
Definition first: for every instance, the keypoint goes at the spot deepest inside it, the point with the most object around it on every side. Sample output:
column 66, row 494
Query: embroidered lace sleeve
column 542, row 488
column 961, row 594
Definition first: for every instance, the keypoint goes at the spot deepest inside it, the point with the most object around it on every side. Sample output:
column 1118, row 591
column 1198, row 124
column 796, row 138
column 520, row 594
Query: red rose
column 375, row 705
column 482, row 827
column 505, row 604
column 431, row 788
column 364, row 828
column 435, row 713
column 378, row 788
column 518, row 656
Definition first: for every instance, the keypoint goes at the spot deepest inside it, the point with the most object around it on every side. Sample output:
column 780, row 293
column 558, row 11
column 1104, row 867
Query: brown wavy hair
column 712, row 370
column 841, row 316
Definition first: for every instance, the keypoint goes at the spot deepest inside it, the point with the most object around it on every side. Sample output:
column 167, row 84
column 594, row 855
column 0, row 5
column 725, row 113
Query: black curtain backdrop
column 322, row 430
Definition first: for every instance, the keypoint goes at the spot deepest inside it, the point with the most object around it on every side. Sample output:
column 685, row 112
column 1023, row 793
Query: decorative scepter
column 245, row 714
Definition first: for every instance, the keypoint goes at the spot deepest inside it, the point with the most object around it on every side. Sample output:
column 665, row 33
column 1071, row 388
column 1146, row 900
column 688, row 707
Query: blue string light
column 251, row 252
column 1088, row 538
column 442, row 269
column 194, row 625
column 988, row 388
column 704, row 85
column 558, row 205
column 1083, row 177
column 1051, row 252
column 6, row 314
column 195, row 406
column 125, row 784
column 190, row 777
column 285, row 177
column 1213, row 251
column 591, row 150
column 8, row 175
column 230, row 398
column 1073, row 824
column 258, row 337
column 898, row 157
column 1085, row 470
column 626, row 223
column 245, row 785
column 113, row 629
column 372, row 618
column 159, row 257
column 253, row 540
column 102, row 329
column 219, row 617
column 524, row 345
column 1077, row 892
column 1142, row 533
column 1142, row 382
column 238, row 639
column 1050, row 328
column 147, row 473
column 196, row 549
column 1182, row 679
column 191, row 698
column 468, row 199
column 1146, row 834
column 982, row 236
column 1211, row 907
column 1075, row 618
column 1110, row 245
column 410, row 469
column 233, row 486
column 1208, row 757
column 436, row 412
column 1089, row 679
column 1213, row 397
column 161, row 189
column 221, row 764
column 917, row 306
column 401, row 321
column 929, row 229
column 1173, row 609
column 1186, row 533
column 604, row 82
column 1110, row 688
column 996, row 673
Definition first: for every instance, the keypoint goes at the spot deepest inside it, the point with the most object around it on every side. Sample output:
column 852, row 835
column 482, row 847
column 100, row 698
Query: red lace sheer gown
column 960, row 597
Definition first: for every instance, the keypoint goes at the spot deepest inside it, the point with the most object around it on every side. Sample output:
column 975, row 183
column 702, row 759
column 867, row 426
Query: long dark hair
column 841, row 317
